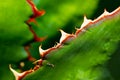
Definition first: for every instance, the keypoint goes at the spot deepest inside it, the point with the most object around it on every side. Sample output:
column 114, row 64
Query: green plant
column 95, row 43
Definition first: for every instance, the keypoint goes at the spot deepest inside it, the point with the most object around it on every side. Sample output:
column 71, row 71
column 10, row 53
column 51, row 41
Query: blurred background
column 60, row 14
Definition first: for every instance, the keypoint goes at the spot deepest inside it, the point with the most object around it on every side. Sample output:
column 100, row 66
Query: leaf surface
column 86, row 57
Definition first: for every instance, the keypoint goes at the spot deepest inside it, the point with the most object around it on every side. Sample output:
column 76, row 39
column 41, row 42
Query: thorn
column 105, row 12
column 77, row 32
column 56, row 44
column 19, row 76
column 38, row 62
column 41, row 51
column 36, row 67
column 85, row 22
column 31, row 20
column 39, row 39
column 65, row 37
column 36, row 12
column 76, row 28
column 16, row 74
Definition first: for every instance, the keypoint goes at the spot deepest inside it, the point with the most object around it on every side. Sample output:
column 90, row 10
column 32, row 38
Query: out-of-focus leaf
column 14, row 33
column 6, row 74
column 86, row 57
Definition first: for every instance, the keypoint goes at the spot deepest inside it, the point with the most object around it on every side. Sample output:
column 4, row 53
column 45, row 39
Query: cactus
column 95, row 42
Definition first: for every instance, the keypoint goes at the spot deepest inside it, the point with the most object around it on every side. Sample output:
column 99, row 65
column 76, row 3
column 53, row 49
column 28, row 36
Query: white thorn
column 76, row 28
column 85, row 22
column 57, row 45
column 41, row 51
column 16, row 74
column 105, row 12
column 63, row 36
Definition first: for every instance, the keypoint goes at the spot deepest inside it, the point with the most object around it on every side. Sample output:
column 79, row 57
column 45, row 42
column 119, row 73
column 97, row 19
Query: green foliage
column 88, row 60
column 13, row 34
column 93, row 58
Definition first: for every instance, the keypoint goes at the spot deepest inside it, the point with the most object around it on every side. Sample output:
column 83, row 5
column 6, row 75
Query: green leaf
column 14, row 33
column 93, row 58
column 86, row 57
